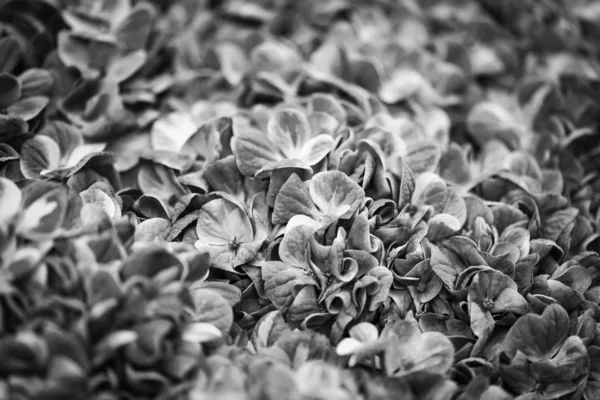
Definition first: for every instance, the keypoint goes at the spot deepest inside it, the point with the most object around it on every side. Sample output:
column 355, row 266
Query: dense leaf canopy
column 304, row 200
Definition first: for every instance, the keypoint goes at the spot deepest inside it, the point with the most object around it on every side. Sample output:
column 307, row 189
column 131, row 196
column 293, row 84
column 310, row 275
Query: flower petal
column 364, row 332
column 510, row 300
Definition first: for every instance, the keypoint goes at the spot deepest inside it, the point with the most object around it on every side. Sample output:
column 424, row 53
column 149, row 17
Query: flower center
column 234, row 245
column 488, row 303
column 412, row 210
column 421, row 287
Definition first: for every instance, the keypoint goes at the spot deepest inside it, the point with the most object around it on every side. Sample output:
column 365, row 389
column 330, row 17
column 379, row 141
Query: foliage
column 299, row 199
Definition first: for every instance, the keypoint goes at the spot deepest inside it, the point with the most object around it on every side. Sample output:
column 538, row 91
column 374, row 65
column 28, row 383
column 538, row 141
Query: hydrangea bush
column 279, row 199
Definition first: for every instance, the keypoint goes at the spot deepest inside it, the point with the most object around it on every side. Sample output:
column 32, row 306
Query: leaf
column 329, row 105
column 146, row 382
column 319, row 378
column 124, row 67
column 28, row 108
column 275, row 56
column 221, row 222
column 80, row 94
column 103, row 291
column 482, row 322
column 10, row 90
column 184, row 361
column 563, row 294
column 423, row 156
column 429, row 351
column 329, row 58
column 363, row 332
column 495, row 393
column 538, row 337
column 323, row 124
column 66, row 343
column 432, row 190
column 315, row 149
column 102, row 103
column 335, row 194
column 24, row 263
column 148, row 261
column 280, row 281
column 35, row 82
column 85, row 54
column 133, row 32
column 89, row 162
column 403, row 84
column 429, row 188
column 151, row 207
column 454, row 166
column 152, row 229
column 592, row 390
column 252, row 150
column 524, row 164
column 230, row 293
column 200, row 332
column 65, row 135
column 568, row 364
column 268, row 329
column 381, row 289
column 442, row 226
column 233, row 63
column 486, row 120
column 115, row 9
column 88, row 154
column 42, row 218
column 81, row 21
column 330, row 258
column 349, row 346
column 11, row 128
column 407, row 185
column 172, row 131
column 211, row 141
column 212, row 308
column 112, row 343
column 304, row 304
column 64, row 369
column 275, row 383
column 223, row 176
column 366, row 75
column 293, row 199
column 97, row 197
column 160, row 181
column 510, row 300
column 11, row 53
column 288, row 130
column 429, row 284
column 294, row 248
column 519, row 237
column 359, row 236
column 10, row 202
column 553, row 226
column 576, row 277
